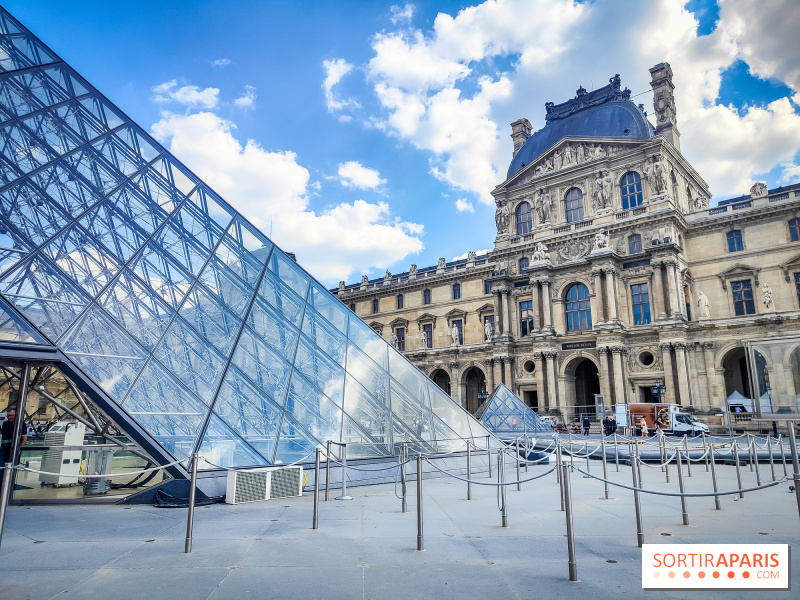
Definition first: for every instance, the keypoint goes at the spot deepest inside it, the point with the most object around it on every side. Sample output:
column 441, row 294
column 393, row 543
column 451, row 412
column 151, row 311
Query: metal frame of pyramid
column 508, row 417
column 179, row 319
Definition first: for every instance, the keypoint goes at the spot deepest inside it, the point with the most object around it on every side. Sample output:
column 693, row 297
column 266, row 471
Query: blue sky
column 393, row 162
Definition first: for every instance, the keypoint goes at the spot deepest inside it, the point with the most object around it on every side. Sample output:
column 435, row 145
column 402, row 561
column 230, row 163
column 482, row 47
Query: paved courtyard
column 365, row 549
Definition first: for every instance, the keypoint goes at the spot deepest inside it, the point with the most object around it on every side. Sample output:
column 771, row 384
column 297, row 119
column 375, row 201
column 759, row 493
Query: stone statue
column 364, row 281
column 454, row 335
column 557, row 160
column 600, row 241
column 656, row 175
column 424, row 337
column 580, row 153
column 569, row 156
column 538, row 205
column 488, row 330
column 393, row 340
column 540, row 253
column 441, row 264
column 471, row 256
column 703, row 305
column 597, row 192
column 502, row 217
column 759, row 190
column 412, row 272
column 341, row 286
column 766, row 295
column 608, row 190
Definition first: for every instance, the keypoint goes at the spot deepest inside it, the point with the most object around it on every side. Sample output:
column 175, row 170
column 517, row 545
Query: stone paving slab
column 365, row 548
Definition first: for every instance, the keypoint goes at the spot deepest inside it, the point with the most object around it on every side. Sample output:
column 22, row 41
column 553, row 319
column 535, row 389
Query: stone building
column 610, row 272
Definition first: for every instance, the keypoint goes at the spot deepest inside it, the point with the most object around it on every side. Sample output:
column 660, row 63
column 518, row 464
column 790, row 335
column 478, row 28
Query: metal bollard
column 751, row 444
column 315, row 521
column 588, row 470
column 327, row 470
column 190, row 517
column 771, row 459
column 573, row 567
column 738, row 470
column 688, row 460
column 795, row 462
column 489, row 456
column 420, row 539
column 717, row 504
column 705, row 450
column 519, row 485
column 680, row 486
column 637, row 505
column 754, row 463
column 344, row 495
column 661, row 448
column 403, row 460
column 783, row 455
column 501, row 479
column 639, row 465
column 616, row 452
column 527, row 452
column 469, row 470
column 559, row 464
column 605, row 466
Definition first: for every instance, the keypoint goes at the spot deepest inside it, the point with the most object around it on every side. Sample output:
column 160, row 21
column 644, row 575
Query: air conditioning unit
column 255, row 485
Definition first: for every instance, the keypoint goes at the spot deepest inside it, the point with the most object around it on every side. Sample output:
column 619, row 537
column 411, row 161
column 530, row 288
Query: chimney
column 664, row 104
column 520, row 132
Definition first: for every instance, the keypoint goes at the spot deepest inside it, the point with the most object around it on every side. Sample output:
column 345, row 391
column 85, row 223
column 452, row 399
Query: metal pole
column 315, row 523
column 795, row 463
column 717, row 504
column 661, row 448
column 586, row 450
column 519, row 485
column 469, row 470
column 755, row 463
column 750, row 447
column 666, row 457
column 489, row 456
column 680, row 486
column 9, row 471
column 616, row 452
column 688, row 462
column 705, row 450
column 327, row 470
column 403, row 460
column 559, row 464
column 527, row 451
column 783, row 456
column 639, row 464
column 344, row 495
column 637, row 503
column 605, row 466
column 501, row 479
column 573, row 567
column 420, row 539
column 190, row 518
column 738, row 470
column 771, row 459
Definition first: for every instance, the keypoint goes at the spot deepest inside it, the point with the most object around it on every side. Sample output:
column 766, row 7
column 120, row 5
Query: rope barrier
column 102, row 476
column 487, row 482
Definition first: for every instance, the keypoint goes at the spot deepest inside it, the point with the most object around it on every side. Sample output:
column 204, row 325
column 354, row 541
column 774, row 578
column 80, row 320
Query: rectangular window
column 426, row 297
column 794, row 230
column 635, row 244
column 526, row 318
column 641, row 304
column 460, row 327
column 735, row 243
column 487, row 287
column 456, row 291
column 743, row 303
column 428, row 329
column 797, row 285
column 400, row 332
column 399, row 301
column 375, row 305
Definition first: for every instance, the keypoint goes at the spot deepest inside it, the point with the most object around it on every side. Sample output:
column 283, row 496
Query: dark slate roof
column 604, row 113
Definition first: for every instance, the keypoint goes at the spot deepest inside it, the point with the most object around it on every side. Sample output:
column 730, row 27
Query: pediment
column 426, row 318
column 486, row 308
column 736, row 271
column 790, row 265
column 377, row 326
column 399, row 322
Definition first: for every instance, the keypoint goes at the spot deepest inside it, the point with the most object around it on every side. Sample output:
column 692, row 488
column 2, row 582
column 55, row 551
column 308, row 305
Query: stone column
column 672, row 282
column 541, row 394
column 497, row 369
column 456, row 391
column 658, row 293
column 490, row 376
column 552, row 383
column 506, row 323
column 546, row 309
column 669, row 382
column 619, row 381
column 605, row 376
column 509, row 368
column 711, row 372
column 598, row 314
column 683, row 375
column 611, row 294
column 497, row 313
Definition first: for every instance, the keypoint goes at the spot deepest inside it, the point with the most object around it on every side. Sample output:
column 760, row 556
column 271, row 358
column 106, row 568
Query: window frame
column 526, row 320
column 426, row 296
column 744, row 301
column 643, row 297
column 400, row 332
column 428, row 329
column 583, row 309
column 460, row 324
column 375, row 306
column 400, row 301
column 487, row 287
column 631, row 190
column 573, row 204
column 635, row 243
column 737, row 238
column 456, row 291
column 794, row 229
column 352, row 307
column 524, row 266
column 797, row 286
column 524, row 225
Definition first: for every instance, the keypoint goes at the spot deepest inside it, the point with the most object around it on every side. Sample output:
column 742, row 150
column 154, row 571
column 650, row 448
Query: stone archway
column 442, row 379
column 474, row 383
column 735, row 373
column 582, row 382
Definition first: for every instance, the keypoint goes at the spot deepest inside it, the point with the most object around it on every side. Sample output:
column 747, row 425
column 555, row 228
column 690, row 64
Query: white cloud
column 249, row 98
column 477, row 253
column 271, row 187
column 463, row 205
column 401, row 14
column 452, row 90
column 354, row 175
column 221, row 62
column 790, row 173
column 189, row 95
column 334, row 71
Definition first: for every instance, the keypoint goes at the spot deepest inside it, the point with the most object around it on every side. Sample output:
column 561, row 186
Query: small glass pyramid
column 508, row 417
column 182, row 319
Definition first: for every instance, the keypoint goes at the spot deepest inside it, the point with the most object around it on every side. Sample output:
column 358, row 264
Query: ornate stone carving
column 601, row 241
column 703, row 305
column 394, row 341
column 412, row 272
column 488, row 329
column 573, row 249
column 387, row 278
column 759, row 190
column 700, row 202
column 502, row 218
column 471, row 256
column 341, row 287
column 540, row 254
column 364, row 282
column 656, row 175
column 766, row 298
column 440, row 266
column 455, row 335
column 424, row 338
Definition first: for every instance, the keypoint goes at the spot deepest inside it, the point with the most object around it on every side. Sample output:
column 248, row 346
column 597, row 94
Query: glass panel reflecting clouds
column 222, row 447
column 288, row 272
column 320, row 370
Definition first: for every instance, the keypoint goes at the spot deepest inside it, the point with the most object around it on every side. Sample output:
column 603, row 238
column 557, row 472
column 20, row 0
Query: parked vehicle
column 666, row 417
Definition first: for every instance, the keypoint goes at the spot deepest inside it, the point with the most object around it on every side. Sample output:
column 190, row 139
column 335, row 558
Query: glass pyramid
column 185, row 319
column 508, row 417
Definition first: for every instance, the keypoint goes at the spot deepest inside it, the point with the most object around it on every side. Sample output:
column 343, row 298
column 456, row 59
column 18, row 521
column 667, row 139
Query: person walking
column 645, row 430
column 586, row 425
column 7, row 437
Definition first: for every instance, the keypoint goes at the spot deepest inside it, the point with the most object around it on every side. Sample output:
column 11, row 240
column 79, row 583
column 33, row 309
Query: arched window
column 524, row 222
column 735, row 242
column 426, row 297
column 634, row 243
column 456, row 291
column 573, row 205
column 399, row 301
column 794, row 230
column 579, row 312
column 523, row 264
column 631, row 185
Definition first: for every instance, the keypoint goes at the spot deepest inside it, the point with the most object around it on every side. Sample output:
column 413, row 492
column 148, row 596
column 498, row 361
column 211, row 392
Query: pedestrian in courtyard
column 645, row 430
column 7, row 437
column 586, row 425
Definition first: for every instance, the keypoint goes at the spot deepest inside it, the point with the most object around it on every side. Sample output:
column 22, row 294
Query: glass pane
column 81, row 121
column 219, row 279
column 13, row 328
column 44, row 296
column 13, row 246
column 282, row 298
column 415, row 415
column 102, row 111
column 370, row 342
column 320, row 370
column 212, row 320
column 191, row 359
column 137, row 309
column 83, row 259
column 212, row 205
column 19, row 95
column 198, row 225
column 250, row 238
column 329, row 307
column 368, row 374
column 66, row 188
column 176, row 175
column 94, row 168
column 114, row 230
column 162, row 275
column 118, row 155
column 52, row 131
column 183, row 248
column 267, row 323
column 359, row 444
column 249, row 412
column 239, row 260
column 105, row 352
column 223, row 448
column 411, row 378
column 369, row 413
column 288, row 272
column 452, row 415
column 324, row 335
column 31, row 213
column 166, row 410
column 159, row 191
column 294, row 443
column 262, row 365
column 138, row 208
column 319, row 414
column 22, row 149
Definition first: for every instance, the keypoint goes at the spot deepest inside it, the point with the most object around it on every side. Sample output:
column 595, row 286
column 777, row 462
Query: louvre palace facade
column 610, row 272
